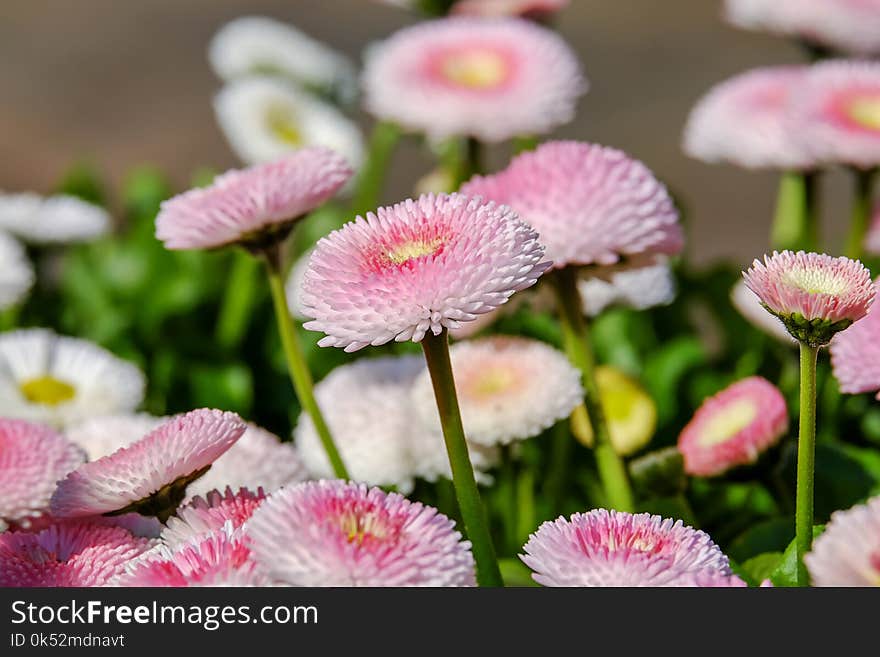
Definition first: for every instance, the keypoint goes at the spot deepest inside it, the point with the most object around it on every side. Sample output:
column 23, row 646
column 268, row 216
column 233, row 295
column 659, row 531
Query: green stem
column 296, row 364
column 368, row 192
column 560, row 455
column 576, row 339
column 436, row 348
column 806, row 462
column 525, row 144
column 795, row 223
column 861, row 211
column 238, row 301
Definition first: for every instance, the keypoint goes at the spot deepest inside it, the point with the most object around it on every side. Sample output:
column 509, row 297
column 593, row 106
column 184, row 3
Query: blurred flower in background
column 52, row 220
column 16, row 272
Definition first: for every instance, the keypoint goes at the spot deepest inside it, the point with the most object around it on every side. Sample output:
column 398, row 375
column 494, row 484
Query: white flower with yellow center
column 16, row 272
column 62, row 381
column 52, row 220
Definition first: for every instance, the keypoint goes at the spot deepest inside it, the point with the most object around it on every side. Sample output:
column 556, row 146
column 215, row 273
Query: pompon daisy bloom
column 257, row 460
column 150, row 476
column 69, row 553
column 61, row 381
column 744, row 121
column 589, row 204
column 53, row 220
column 495, row 8
column 814, row 295
column 418, row 266
column 218, row 558
column 749, row 306
column 855, row 354
column 872, row 239
column 848, row 552
column 639, row 287
column 733, row 427
column 610, row 548
column 255, row 206
column 16, row 272
column 205, row 515
column 259, row 45
column 836, row 113
column 32, row 460
column 508, row 389
column 333, row 533
column 264, row 118
column 102, row 435
column 489, row 79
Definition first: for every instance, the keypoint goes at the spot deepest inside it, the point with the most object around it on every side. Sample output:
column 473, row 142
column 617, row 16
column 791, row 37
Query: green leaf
column 665, row 369
column 785, row 573
column 675, row 507
column 515, row 573
column 760, row 567
column 772, row 535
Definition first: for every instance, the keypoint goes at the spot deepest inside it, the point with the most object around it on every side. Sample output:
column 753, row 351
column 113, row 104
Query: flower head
column 265, row 118
column 205, row 515
column 150, row 476
column 855, row 354
column 496, row 8
column 52, row 220
column 749, row 306
column 610, row 548
column 32, row 459
column 836, row 113
column 639, row 286
column 333, row 533
column 103, row 434
column 508, row 388
column 814, row 295
column 489, row 79
column 62, row 381
column 415, row 267
column 733, row 427
column 744, row 121
column 589, row 204
column 70, row 553
column 255, row 206
column 17, row 274
column 848, row 551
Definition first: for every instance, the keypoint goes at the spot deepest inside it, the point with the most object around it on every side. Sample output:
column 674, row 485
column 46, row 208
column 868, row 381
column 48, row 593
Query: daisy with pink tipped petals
column 733, row 427
column 610, row 548
column 32, row 459
column 467, row 76
column 204, row 515
column 417, row 267
column 855, row 354
column 69, row 553
column 255, row 207
column 848, row 551
column 333, row 533
column 814, row 295
column 744, row 121
column 150, row 476
column 590, row 204
column 496, row 8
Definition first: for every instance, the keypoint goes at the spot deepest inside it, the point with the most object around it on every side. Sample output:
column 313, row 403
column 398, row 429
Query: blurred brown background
column 124, row 83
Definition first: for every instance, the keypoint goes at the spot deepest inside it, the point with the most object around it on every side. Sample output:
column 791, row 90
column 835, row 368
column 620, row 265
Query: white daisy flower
column 62, row 381
column 264, row 118
column 52, row 220
column 638, row 287
column 749, row 306
column 264, row 46
column 16, row 272
column 102, row 435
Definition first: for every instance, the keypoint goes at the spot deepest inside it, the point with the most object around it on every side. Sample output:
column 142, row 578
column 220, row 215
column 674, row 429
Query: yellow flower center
column 475, row 69
column 866, row 112
column 358, row 528
column 491, row 382
column 282, row 123
column 815, row 282
column 728, row 422
column 47, row 390
column 413, row 249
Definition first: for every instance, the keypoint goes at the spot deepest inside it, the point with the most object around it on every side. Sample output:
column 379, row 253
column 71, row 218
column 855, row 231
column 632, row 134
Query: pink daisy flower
column 872, row 239
column 718, row 579
column 32, row 459
column 836, row 113
column 733, row 427
column 610, row 548
column 220, row 558
column 415, row 267
column 814, row 295
column 149, row 476
column 255, row 207
column 848, row 551
column 744, row 121
column 855, row 355
column 590, row 204
column 204, row 515
column 70, row 553
column 333, row 533
column 489, row 79
column 497, row 8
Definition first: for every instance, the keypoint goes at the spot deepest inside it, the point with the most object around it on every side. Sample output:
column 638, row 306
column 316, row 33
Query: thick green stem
column 368, row 192
column 576, row 338
column 296, row 365
column 861, row 211
column 239, row 300
column 795, row 223
column 436, row 348
column 806, row 462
